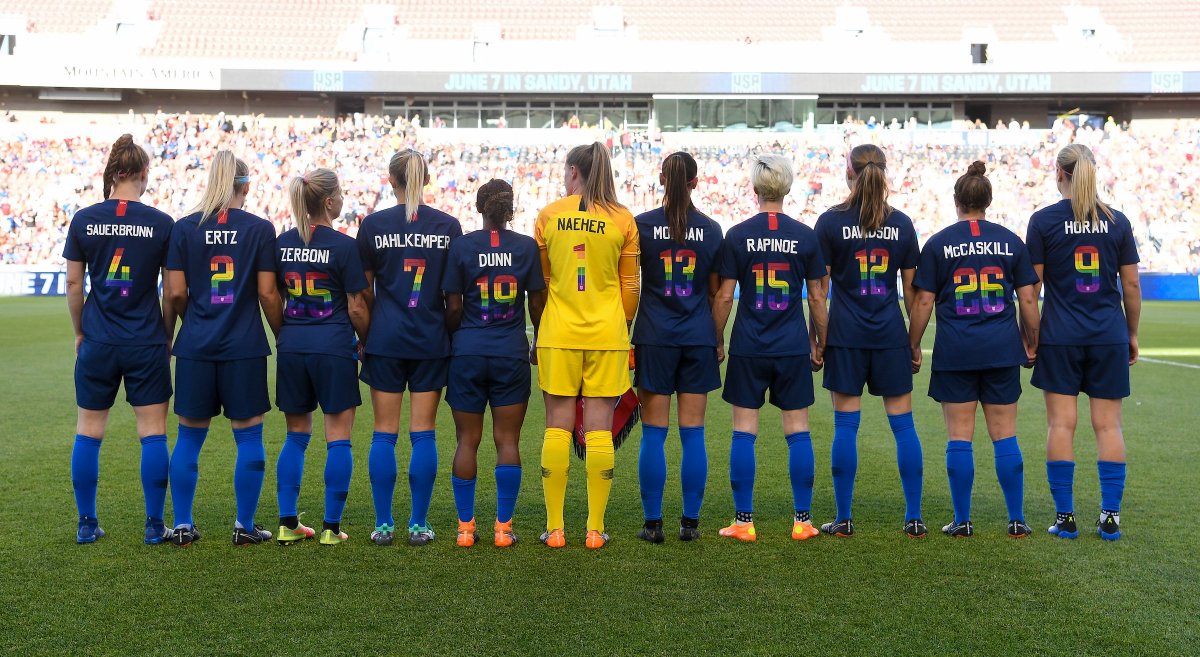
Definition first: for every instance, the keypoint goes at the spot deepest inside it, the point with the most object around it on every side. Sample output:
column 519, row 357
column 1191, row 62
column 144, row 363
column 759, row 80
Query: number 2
column 222, row 268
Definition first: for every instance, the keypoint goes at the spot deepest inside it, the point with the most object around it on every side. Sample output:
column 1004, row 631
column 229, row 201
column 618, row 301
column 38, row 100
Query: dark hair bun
column 977, row 168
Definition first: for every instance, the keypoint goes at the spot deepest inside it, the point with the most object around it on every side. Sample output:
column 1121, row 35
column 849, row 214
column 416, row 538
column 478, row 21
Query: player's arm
column 1131, row 291
column 714, row 285
column 818, row 314
column 1037, row 287
column 629, row 270
column 1030, row 321
column 918, row 321
column 722, row 306
column 454, row 311
column 360, row 314
column 369, row 293
column 175, row 297
column 270, row 301
column 537, row 305
column 75, row 299
column 910, row 291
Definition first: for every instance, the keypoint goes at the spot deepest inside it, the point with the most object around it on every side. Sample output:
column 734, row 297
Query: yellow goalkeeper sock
column 556, row 461
column 599, row 465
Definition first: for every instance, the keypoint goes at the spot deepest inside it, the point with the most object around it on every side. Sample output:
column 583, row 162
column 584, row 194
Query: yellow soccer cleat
column 288, row 536
column 330, row 538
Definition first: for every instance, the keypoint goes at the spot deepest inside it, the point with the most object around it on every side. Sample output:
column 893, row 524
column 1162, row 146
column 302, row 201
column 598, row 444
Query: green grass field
column 877, row 593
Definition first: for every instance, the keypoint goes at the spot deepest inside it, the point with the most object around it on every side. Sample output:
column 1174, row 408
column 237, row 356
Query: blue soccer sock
column 185, row 472
column 381, row 466
column 289, row 471
column 249, row 470
column 464, row 497
column 85, row 473
column 911, row 463
column 802, row 467
column 652, row 470
column 1010, row 471
column 693, row 470
column 1061, row 477
column 741, row 471
column 508, row 485
column 1112, row 485
column 339, row 465
column 844, row 460
column 156, row 464
column 960, row 468
column 422, row 471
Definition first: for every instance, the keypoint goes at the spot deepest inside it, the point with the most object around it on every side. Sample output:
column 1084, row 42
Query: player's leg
column 426, row 381
column 960, row 463
column 693, row 467
column 560, row 376
column 1001, row 388
column 1106, row 382
column 339, row 466
column 147, row 374
column 97, row 378
column 845, row 374
column 468, row 427
column 197, row 400
column 891, row 378
column 746, row 383
column 507, row 420
column 605, row 379
column 297, row 398
column 655, row 381
column 1059, row 374
column 246, row 403
column 792, row 393
column 387, row 378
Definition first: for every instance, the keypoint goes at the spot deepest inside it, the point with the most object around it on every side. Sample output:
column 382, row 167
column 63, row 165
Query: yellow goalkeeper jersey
column 590, row 261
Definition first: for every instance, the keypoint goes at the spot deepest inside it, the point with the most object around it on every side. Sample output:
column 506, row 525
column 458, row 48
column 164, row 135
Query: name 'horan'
column 296, row 254
column 1076, row 228
column 881, row 233
column 414, row 240
column 120, row 230
column 976, row 248
column 771, row 244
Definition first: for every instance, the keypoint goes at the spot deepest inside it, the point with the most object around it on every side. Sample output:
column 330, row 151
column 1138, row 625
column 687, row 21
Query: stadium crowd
column 47, row 176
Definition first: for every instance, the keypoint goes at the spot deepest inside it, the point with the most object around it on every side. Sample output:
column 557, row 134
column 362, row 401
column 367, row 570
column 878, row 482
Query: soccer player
column 1087, row 257
column 770, row 255
column 675, row 346
column 489, row 274
column 220, row 269
column 589, row 254
column 971, row 270
column 326, row 305
column 865, row 242
column 404, row 251
column 120, row 334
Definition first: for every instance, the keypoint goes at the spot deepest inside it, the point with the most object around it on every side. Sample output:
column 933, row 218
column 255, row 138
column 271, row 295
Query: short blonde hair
column 772, row 177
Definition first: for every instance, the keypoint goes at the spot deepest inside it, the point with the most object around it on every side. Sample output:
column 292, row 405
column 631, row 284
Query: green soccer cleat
column 330, row 538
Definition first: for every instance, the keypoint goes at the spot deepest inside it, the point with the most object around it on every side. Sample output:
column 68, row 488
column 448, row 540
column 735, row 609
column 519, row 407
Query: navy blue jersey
column 493, row 270
column 974, row 269
column 408, row 260
column 1083, row 298
column 865, row 312
column 221, row 259
column 315, row 279
column 675, row 309
column 124, row 246
column 771, row 256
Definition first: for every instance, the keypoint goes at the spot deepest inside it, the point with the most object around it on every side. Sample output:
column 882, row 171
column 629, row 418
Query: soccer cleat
column 554, row 539
column 741, row 531
column 689, row 528
column 842, row 528
column 595, row 540
column 1064, row 526
column 1109, row 526
column 652, row 532
column 288, row 536
column 802, row 531
column 916, row 528
column 505, row 536
column 185, row 535
column 89, row 531
column 959, row 530
column 383, row 535
column 1018, row 529
column 255, row 536
column 157, row 532
column 420, row 535
column 330, row 538
column 466, row 533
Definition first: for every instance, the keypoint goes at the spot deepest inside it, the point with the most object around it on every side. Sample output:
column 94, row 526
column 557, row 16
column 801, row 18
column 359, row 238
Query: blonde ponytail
column 1077, row 161
column 596, row 169
column 409, row 171
column 224, row 177
column 307, row 194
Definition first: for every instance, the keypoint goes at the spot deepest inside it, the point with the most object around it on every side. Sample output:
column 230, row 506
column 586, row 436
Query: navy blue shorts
column 302, row 381
column 396, row 374
column 789, row 378
column 100, row 368
column 885, row 372
column 668, row 370
column 476, row 381
column 1000, row 385
column 1100, row 371
column 204, row 387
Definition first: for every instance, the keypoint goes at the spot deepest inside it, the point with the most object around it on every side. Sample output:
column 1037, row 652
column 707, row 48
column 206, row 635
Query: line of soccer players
column 425, row 308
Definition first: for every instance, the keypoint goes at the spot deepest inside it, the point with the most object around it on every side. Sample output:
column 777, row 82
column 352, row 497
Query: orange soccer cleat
column 466, row 533
column 505, row 537
column 740, row 531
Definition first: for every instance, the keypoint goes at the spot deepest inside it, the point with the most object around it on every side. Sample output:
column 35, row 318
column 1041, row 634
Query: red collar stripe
column 974, row 228
column 223, row 216
column 772, row 221
column 495, row 239
column 122, row 206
